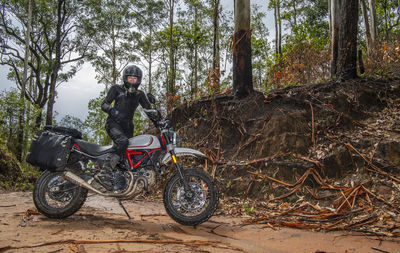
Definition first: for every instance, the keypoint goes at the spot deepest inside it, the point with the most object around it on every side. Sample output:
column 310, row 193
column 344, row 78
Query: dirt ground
column 101, row 226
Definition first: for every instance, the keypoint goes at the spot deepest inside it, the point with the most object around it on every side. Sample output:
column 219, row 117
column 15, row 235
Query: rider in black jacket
column 126, row 98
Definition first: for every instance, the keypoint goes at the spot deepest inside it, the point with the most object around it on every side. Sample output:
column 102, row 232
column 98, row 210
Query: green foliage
column 10, row 105
column 109, row 24
column 260, row 47
column 96, row 120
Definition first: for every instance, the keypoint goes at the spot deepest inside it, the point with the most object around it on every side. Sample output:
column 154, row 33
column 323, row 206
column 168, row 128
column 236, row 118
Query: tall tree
column 276, row 5
column 151, row 19
column 259, row 46
column 21, row 126
column 373, row 23
column 55, row 39
column 110, row 25
column 335, row 23
column 364, row 11
column 216, row 68
column 172, row 61
column 347, row 46
column 242, row 69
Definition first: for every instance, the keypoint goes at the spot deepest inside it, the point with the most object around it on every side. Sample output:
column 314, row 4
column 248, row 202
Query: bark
column 366, row 25
column 150, row 62
column 171, row 74
column 360, row 62
column 374, row 33
column 279, row 27
column 196, row 60
column 335, row 22
column 242, row 70
column 216, row 54
column 21, row 127
column 57, row 62
column 347, row 58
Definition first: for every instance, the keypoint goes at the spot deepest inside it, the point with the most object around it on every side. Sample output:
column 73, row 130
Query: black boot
column 111, row 161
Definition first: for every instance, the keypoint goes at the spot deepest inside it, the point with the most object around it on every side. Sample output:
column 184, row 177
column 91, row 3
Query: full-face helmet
column 132, row 70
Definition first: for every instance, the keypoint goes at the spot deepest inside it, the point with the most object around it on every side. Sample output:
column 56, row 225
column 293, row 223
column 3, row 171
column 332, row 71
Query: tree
column 151, row 18
column 242, row 70
column 346, row 66
column 216, row 71
column 259, row 46
column 110, row 25
column 275, row 4
column 49, row 51
column 335, row 20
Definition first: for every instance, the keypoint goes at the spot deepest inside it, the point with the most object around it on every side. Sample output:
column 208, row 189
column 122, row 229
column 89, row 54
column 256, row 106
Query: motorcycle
column 190, row 195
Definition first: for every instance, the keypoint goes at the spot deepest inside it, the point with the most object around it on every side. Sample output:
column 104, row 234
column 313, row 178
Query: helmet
column 132, row 70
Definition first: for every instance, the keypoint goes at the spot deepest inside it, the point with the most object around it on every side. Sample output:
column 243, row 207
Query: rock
column 337, row 162
column 390, row 152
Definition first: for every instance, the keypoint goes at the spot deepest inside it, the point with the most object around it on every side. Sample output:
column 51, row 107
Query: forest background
column 184, row 48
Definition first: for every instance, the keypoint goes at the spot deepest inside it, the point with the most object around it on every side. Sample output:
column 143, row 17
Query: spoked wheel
column 195, row 206
column 56, row 197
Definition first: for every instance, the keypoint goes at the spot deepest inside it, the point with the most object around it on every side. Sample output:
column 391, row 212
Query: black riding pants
column 120, row 132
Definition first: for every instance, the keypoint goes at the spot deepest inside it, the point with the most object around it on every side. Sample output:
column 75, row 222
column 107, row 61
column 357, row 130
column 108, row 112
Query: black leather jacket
column 125, row 103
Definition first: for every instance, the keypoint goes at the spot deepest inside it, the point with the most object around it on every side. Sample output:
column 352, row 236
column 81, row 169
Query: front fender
column 183, row 152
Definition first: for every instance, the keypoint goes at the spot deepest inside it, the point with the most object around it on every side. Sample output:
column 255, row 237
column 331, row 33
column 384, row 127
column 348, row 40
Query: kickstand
column 126, row 212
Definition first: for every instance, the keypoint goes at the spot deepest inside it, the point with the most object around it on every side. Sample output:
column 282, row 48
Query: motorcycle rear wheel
column 56, row 197
column 195, row 209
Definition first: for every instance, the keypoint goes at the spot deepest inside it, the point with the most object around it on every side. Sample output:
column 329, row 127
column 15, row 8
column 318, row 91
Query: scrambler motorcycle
column 190, row 195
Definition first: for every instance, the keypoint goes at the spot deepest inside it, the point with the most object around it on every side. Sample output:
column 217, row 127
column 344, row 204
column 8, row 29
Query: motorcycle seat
column 92, row 148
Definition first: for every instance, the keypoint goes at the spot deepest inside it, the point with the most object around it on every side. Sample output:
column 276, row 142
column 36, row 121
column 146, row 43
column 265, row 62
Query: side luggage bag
column 49, row 150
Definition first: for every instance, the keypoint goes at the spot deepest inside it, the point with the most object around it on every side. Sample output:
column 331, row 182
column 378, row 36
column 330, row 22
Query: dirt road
column 101, row 226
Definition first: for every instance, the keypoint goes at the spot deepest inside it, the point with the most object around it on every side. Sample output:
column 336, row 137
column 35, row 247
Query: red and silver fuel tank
column 144, row 142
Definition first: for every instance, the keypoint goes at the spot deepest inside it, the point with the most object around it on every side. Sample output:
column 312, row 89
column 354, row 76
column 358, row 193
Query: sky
column 74, row 95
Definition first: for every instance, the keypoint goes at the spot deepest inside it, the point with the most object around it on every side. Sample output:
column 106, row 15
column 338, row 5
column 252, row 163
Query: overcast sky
column 73, row 96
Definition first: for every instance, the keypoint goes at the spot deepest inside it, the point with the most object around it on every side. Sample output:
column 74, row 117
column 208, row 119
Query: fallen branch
column 377, row 169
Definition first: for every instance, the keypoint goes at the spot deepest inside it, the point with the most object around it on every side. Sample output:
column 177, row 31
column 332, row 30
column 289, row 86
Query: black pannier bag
column 49, row 150
column 64, row 130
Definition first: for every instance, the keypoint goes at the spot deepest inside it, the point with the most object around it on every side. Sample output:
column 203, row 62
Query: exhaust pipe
column 75, row 179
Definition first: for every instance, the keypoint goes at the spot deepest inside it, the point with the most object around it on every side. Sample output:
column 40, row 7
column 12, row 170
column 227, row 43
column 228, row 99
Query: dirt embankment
column 291, row 130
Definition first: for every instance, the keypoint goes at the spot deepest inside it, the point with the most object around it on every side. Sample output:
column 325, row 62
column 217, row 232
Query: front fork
column 180, row 171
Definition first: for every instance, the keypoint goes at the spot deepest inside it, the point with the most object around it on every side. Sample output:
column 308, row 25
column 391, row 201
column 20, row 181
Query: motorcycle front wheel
column 56, row 197
column 195, row 207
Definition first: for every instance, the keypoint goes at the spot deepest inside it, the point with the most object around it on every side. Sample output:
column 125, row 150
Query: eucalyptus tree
column 55, row 47
column 151, row 19
column 345, row 64
column 276, row 6
column 259, row 46
column 242, row 70
column 194, row 27
column 111, row 26
column 216, row 68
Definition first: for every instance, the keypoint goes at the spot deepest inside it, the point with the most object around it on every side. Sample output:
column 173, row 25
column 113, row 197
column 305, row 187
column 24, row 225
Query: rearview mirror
column 151, row 98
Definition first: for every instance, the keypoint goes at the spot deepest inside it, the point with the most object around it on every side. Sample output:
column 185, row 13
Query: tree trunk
column 21, row 127
column 360, row 62
column 366, row 25
column 216, row 57
column 150, row 62
column 279, row 28
column 347, row 58
column 374, row 31
column 335, row 22
column 171, row 74
column 57, row 62
column 242, row 70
